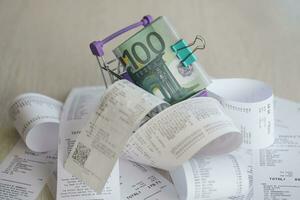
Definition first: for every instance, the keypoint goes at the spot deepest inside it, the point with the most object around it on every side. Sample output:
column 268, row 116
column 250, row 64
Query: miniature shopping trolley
column 156, row 59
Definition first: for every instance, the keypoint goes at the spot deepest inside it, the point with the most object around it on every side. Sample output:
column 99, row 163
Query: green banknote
column 152, row 65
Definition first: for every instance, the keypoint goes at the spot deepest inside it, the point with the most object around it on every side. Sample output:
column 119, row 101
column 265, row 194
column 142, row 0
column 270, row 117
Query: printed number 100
column 135, row 58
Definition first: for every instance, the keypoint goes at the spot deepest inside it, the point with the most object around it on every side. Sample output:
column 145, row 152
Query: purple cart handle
column 97, row 46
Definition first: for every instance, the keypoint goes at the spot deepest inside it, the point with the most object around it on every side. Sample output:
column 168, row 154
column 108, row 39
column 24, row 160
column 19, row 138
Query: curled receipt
column 250, row 104
column 205, row 178
column 129, row 122
column 36, row 118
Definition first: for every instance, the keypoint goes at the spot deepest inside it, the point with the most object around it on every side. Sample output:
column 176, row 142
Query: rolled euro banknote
column 154, row 66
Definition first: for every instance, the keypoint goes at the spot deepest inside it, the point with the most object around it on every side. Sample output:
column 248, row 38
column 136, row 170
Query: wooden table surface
column 44, row 44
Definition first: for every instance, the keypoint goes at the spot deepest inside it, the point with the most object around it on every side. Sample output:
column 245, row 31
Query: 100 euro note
column 152, row 65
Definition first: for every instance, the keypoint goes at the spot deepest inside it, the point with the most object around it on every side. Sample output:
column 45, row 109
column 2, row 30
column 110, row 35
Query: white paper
column 52, row 182
column 287, row 116
column 250, row 104
column 79, row 104
column 276, row 168
column 139, row 182
column 108, row 130
column 207, row 178
column 173, row 136
column 273, row 172
column 165, row 141
column 23, row 173
column 194, row 126
column 36, row 118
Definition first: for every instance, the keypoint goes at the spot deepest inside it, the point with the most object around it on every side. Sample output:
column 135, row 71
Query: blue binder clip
column 184, row 52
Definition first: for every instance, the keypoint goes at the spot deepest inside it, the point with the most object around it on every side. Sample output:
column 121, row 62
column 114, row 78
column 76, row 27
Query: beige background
column 44, row 44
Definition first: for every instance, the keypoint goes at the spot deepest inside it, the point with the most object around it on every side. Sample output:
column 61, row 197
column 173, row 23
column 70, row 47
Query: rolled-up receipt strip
column 36, row 118
column 250, row 104
column 206, row 178
column 120, row 127
column 24, row 171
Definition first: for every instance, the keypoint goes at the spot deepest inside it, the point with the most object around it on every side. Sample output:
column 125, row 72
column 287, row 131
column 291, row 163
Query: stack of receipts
column 106, row 143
